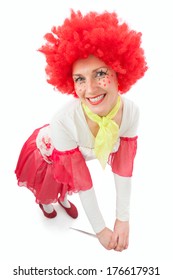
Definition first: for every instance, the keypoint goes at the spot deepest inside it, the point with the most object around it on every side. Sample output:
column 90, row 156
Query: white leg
column 48, row 208
column 65, row 202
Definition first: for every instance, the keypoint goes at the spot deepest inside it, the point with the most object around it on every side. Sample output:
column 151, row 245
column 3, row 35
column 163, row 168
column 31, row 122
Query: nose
column 91, row 86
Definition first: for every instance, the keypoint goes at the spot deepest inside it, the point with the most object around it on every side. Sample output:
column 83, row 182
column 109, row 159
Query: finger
column 120, row 244
column 114, row 241
column 126, row 243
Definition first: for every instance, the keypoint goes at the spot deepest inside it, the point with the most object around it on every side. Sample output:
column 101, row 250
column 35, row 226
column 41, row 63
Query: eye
column 101, row 73
column 78, row 79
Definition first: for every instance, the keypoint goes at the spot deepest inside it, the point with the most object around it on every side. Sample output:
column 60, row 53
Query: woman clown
column 96, row 58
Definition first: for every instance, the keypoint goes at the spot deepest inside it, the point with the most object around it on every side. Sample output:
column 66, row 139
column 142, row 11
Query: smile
column 96, row 100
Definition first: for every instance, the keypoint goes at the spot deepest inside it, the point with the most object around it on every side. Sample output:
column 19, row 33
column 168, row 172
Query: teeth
column 96, row 98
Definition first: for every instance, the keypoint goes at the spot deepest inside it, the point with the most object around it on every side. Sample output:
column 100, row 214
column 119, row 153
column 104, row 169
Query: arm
column 121, row 226
column 91, row 208
column 122, row 166
column 123, row 193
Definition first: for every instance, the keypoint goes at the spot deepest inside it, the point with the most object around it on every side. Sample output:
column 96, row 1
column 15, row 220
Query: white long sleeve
column 91, row 208
column 123, row 194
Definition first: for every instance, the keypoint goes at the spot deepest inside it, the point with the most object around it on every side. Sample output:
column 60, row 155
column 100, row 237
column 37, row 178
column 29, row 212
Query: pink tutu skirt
column 65, row 173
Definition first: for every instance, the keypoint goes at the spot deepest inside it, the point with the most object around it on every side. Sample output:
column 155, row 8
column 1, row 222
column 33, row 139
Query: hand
column 120, row 236
column 105, row 237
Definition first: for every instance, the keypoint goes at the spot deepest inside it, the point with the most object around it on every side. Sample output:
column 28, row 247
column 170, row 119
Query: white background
column 27, row 102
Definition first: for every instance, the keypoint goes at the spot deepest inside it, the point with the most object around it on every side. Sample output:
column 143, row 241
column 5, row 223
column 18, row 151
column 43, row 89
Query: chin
column 99, row 109
column 99, row 112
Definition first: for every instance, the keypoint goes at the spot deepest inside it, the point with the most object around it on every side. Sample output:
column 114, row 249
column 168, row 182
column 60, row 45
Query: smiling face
column 95, row 84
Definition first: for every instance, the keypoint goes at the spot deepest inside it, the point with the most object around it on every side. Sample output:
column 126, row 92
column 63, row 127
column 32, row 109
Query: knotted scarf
column 107, row 134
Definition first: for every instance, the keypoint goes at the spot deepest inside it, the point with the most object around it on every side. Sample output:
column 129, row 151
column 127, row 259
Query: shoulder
column 67, row 112
column 130, row 118
column 131, row 109
column 130, row 104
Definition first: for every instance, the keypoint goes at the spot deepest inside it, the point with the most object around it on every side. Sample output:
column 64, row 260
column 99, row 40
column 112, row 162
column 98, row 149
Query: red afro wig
column 101, row 35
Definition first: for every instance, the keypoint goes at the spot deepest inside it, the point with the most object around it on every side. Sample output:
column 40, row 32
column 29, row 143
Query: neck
column 93, row 125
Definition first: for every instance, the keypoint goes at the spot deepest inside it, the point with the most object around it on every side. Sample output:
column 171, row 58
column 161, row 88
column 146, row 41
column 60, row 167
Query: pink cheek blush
column 80, row 88
column 108, row 80
column 103, row 83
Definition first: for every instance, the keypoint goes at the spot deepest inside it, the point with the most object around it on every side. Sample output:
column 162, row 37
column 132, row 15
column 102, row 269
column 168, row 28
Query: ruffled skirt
column 53, row 179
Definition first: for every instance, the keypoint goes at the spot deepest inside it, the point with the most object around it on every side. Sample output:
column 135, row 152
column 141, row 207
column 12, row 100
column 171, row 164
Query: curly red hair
column 102, row 35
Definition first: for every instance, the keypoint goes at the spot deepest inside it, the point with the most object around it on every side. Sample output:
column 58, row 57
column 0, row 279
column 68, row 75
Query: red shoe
column 48, row 215
column 72, row 211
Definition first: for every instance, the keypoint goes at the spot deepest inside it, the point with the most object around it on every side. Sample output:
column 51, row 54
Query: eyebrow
column 93, row 70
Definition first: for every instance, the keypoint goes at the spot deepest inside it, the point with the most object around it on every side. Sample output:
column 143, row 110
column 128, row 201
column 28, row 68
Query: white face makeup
column 95, row 84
